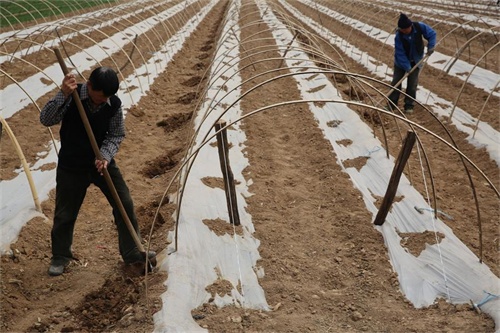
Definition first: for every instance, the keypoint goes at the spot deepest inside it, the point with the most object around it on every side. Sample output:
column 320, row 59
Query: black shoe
column 57, row 266
column 409, row 109
column 137, row 257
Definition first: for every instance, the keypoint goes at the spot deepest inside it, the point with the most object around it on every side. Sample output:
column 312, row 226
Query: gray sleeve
column 114, row 137
column 53, row 112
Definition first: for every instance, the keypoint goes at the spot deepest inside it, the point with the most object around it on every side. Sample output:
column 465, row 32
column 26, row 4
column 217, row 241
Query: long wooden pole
column 394, row 87
column 98, row 155
column 227, row 173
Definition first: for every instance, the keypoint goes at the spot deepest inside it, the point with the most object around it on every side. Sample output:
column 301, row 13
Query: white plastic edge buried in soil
column 485, row 136
column 204, row 258
column 16, row 204
column 448, row 270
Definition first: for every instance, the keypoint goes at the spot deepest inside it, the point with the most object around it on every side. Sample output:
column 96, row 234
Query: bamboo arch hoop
column 467, row 79
column 443, row 126
column 188, row 162
column 194, row 153
column 310, row 44
column 26, row 167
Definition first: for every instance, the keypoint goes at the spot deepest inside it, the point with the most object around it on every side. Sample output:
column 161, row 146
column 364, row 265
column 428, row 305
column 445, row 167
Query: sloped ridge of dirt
column 187, row 98
column 110, row 304
column 175, row 121
column 148, row 213
column 354, row 94
column 207, row 47
column 203, row 56
column 161, row 164
column 195, row 80
column 199, row 66
column 162, row 218
column 373, row 117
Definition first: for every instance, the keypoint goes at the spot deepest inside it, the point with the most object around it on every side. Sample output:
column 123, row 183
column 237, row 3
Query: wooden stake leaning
column 98, row 155
column 392, row 188
column 227, row 173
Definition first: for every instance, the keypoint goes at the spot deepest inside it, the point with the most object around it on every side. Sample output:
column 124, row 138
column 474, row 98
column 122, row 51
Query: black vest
column 419, row 42
column 76, row 150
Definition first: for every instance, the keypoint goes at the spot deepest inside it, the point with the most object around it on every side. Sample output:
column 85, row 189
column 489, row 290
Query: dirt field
column 326, row 266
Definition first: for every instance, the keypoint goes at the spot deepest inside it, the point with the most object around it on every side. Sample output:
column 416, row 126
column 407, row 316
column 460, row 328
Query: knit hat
column 404, row 22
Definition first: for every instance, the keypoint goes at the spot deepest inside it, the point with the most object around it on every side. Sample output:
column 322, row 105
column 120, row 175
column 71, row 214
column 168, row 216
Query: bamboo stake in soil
column 229, row 187
column 23, row 161
column 404, row 154
column 98, row 155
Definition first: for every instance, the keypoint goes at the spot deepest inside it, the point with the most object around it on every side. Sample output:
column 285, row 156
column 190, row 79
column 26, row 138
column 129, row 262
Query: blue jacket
column 413, row 40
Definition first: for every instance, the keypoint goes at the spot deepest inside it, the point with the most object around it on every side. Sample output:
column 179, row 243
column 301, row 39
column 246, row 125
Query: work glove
column 430, row 51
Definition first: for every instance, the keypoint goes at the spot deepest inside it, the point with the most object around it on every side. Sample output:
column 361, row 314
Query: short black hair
column 104, row 79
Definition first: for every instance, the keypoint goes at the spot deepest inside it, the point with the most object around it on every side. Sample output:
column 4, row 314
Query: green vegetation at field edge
column 19, row 11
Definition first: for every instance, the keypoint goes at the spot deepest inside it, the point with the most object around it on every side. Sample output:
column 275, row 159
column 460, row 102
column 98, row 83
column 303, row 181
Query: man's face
column 97, row 97
column 405, row 31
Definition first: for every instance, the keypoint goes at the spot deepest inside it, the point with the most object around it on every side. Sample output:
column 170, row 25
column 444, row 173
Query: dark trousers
column 70, row 191
column 411, row 87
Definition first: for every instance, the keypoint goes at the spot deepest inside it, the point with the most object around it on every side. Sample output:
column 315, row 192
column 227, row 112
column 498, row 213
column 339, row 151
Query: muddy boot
column 136, row 257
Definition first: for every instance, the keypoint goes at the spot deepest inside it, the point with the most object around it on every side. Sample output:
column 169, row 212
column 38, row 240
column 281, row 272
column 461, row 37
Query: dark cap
column 404, row 22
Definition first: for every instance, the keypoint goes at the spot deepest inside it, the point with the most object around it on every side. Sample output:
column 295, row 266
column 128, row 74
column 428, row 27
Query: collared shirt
column 53, row 113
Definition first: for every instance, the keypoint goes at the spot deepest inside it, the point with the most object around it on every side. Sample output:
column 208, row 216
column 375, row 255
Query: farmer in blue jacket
column 408, row 51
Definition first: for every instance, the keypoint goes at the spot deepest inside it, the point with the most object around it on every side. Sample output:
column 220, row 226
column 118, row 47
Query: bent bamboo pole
column 98, row 155
column 468, row 77
column 25, row 164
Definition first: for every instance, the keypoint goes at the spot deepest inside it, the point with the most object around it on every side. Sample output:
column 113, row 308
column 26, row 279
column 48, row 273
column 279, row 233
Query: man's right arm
column 55, row 109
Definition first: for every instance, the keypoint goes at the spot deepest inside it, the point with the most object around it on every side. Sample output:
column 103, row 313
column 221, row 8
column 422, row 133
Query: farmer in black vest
column 78, row 167
column 408, row 51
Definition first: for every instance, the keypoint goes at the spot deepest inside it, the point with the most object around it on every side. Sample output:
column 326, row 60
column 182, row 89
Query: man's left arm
column 114, row 137
column 430, row 35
